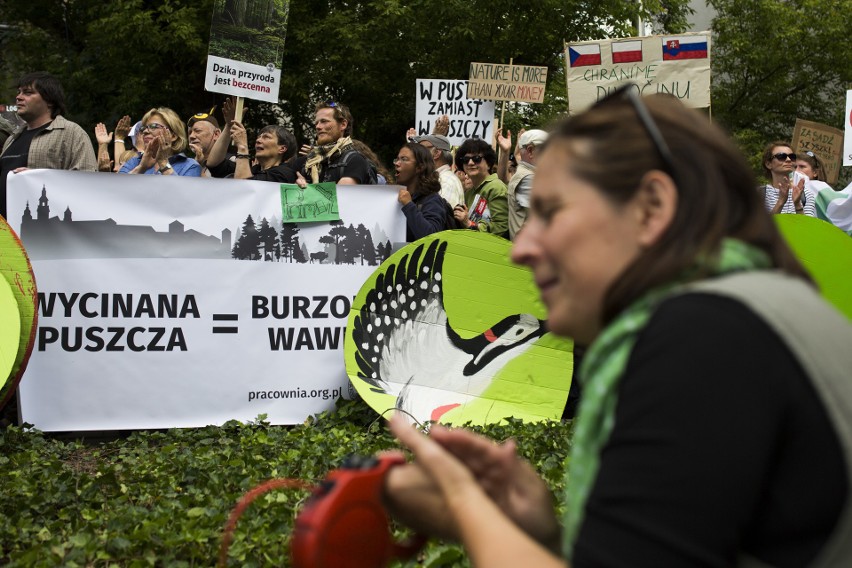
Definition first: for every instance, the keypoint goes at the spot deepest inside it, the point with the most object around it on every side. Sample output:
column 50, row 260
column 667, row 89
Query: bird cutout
column 406, row 346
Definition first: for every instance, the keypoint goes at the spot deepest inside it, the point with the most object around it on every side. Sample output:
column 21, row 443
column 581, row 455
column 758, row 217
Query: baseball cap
column 534, row 137
column 203, row 116
column 438, row 141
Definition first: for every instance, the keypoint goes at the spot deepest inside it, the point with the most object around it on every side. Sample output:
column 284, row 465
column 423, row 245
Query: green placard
column 316, row 202
column 448, row 329
column 826, row 252
column 18, row 274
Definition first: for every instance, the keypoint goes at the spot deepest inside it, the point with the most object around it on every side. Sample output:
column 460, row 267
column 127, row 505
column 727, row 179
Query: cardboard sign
column 449, row 329
column 677, row 65
column 181, row 302
column 507, row 82
column 469, row 118
column 824, row 141
column 246, row 48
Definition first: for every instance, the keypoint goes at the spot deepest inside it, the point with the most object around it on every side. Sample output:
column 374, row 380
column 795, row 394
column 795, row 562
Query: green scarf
column 603, row 367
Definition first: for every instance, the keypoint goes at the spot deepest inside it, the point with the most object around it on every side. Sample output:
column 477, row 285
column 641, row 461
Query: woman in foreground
column 715, row 427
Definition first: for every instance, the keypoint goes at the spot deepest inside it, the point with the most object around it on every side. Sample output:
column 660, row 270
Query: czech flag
column 581, row 55
column 684, row 47
column 626, row 51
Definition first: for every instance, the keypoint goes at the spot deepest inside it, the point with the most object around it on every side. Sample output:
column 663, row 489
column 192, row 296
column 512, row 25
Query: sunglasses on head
column 782, row 156
column 476, row 159
column 630, row 93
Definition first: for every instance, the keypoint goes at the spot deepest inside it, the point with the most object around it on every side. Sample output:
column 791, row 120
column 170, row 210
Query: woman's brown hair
column 612, row 149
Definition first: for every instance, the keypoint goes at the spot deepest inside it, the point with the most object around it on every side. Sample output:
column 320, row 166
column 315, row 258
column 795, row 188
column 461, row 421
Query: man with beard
column 203, row 131
column 333, row 158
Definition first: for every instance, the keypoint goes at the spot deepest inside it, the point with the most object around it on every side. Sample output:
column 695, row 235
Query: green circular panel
column 10, row 330
column 448, row 329
column 826, row 252
column 18, row 274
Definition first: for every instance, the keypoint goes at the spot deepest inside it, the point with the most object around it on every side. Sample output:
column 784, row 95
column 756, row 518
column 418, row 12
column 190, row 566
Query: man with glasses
column 485, row 208
column 439, row 146
column 47, row 140
column 333, row 158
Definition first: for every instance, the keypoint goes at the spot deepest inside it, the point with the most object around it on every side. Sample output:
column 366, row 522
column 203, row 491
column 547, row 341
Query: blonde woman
column 164, row 134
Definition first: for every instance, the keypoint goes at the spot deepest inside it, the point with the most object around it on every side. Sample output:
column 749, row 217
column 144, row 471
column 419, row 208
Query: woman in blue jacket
column 425, row 211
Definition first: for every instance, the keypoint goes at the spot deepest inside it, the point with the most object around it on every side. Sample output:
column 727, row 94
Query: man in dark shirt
column 333, row 158
column 48, row 140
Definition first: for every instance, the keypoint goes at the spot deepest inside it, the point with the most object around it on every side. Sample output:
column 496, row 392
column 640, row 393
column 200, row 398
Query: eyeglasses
column 631, row 93
column 401, row 160
column 152, row 126
column 476, row 159
column 782, row 156
column 330, row 104
column 811, row 154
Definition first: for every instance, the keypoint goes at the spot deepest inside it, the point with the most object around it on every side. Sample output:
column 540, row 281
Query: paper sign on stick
column 469, row 118
column 824, row 141
column 246, row 48
column 507, row 82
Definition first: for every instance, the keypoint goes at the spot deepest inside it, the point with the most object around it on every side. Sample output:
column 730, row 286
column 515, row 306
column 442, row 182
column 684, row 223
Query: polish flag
column 582, row 55
column 626, row 51
column 684, row 47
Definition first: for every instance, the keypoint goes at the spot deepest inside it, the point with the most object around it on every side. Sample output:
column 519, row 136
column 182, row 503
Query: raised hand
column 122, row 129
column 101, row 134
column 442, row 125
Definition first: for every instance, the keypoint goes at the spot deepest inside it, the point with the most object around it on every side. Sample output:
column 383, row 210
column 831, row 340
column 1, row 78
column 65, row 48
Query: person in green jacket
column 485, row 208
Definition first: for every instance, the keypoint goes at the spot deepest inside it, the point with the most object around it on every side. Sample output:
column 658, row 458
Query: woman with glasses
column 164, row 136
column 715, row 426
column 785, row 193
column 425, row 211
column 485, row 206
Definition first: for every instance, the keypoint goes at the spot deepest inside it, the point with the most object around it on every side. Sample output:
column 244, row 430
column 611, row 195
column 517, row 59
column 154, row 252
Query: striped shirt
column 771, row 197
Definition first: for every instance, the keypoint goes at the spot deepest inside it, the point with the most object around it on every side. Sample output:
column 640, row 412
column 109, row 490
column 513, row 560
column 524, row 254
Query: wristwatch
column 165, row 168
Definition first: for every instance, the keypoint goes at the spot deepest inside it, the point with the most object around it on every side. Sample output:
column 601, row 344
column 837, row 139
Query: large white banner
column 469, row 118
column 147, row 319
column 677, row 65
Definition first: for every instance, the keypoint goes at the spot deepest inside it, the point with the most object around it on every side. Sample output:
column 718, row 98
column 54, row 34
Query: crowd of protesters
column 482, row 186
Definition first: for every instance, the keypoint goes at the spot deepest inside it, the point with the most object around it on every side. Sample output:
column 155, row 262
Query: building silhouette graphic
column 47, row 237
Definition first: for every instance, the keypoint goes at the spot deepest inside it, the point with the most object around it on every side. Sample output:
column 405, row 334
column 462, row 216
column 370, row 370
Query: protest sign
column 823, row 141
column 507, row 82
column 847, row 143
column 468, row 117
column 181, row 302
column 246, row 47
column 314, row 202
column 677, row 65
column 422, row 339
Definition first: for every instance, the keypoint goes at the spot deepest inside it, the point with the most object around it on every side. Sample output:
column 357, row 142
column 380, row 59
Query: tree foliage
column 126, row 56
column 776, row 61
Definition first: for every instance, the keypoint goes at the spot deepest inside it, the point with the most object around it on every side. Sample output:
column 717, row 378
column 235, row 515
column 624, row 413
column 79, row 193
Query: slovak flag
column 581, row 55
column 626, row 51
column 684, row 47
